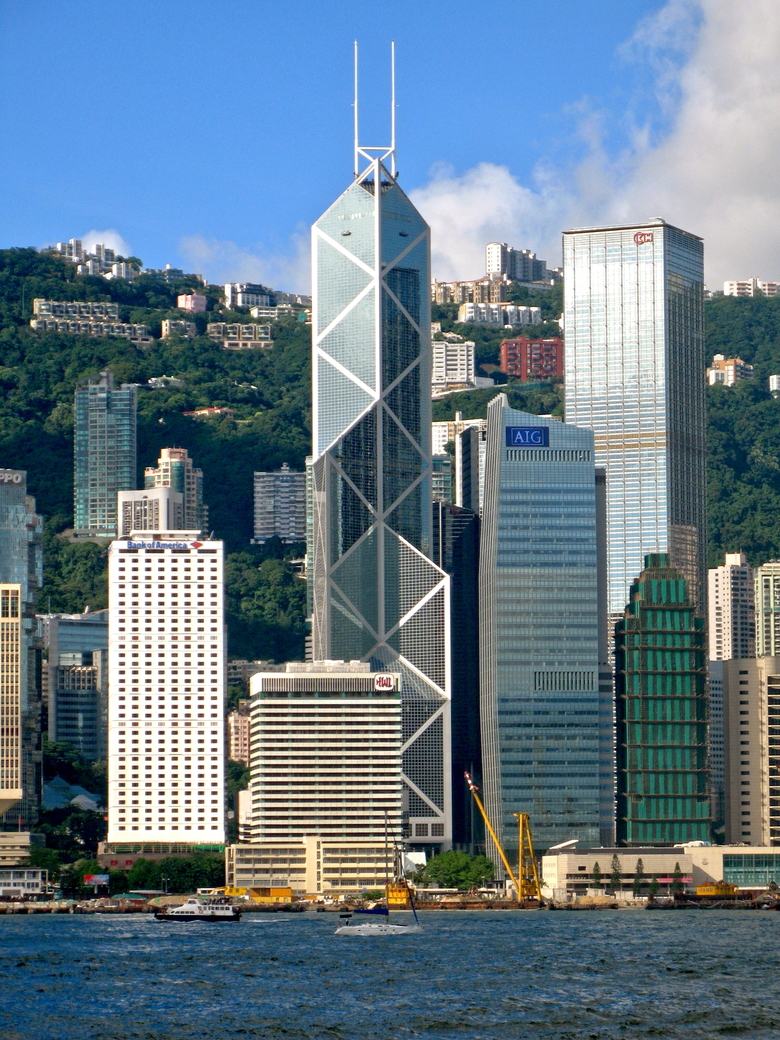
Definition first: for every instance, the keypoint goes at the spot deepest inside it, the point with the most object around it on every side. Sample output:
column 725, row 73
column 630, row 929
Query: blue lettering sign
column 527, row 436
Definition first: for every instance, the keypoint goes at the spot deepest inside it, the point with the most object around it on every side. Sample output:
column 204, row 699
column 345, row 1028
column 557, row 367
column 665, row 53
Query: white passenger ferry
column 200, row 910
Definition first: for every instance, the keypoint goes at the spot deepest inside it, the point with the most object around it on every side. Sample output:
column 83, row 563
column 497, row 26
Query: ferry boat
column 200, row 910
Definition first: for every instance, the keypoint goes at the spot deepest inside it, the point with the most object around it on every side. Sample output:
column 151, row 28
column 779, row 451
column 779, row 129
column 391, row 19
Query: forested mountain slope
column 269, row 392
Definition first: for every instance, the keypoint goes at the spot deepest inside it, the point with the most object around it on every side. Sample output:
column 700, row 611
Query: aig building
column 545, row 689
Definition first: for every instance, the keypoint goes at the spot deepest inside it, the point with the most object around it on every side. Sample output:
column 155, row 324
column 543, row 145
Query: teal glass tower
column 376, row 595
column 545, row 694
column 104, row 454
column 634, row 373
column 661, row 688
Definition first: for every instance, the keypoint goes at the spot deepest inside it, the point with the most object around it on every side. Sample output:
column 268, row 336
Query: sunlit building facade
column 634, row 374
column 376, row 594
column 544, row 714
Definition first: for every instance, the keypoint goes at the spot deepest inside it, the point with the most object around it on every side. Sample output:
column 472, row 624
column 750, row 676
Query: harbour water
column 467, row 976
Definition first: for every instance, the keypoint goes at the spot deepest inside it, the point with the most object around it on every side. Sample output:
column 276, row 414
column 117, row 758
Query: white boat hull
column 378, row 928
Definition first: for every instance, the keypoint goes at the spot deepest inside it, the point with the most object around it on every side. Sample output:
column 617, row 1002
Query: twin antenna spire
column 385, row 154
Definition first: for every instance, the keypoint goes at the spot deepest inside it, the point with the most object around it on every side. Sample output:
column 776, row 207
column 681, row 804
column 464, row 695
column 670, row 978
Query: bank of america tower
column 376, row 594
column 635, row 363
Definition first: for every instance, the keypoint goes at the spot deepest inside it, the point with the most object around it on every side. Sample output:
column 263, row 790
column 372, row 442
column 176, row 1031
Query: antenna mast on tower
column 384, row 153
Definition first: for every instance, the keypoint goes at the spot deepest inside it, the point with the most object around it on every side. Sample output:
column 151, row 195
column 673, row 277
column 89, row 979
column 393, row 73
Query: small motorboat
column 200, row 910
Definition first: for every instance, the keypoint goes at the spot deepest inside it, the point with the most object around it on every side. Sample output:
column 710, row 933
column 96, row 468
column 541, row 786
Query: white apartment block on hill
column 751, row 287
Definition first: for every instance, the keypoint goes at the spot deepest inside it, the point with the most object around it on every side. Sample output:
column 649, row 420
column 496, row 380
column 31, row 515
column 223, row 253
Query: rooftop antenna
column 355, row 106
column 374, row 152
column 393, row 170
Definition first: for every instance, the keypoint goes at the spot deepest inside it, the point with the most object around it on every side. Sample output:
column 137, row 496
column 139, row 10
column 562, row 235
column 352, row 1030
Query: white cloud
column 223, row 261
column 716, row 74
column 110, row 237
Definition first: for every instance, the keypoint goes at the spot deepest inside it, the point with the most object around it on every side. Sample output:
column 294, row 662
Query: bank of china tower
column 376, row 595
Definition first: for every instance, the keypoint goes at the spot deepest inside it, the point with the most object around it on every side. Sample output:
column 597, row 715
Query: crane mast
column 526, row 883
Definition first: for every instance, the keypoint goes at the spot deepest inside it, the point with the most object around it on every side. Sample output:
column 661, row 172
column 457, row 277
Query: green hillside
column 269, row 392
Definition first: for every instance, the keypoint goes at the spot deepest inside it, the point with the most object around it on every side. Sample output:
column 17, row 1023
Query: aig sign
column 641, row 237
column 384, row 682
column 527, row 436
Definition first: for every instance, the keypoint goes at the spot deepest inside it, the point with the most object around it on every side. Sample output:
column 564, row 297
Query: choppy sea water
column 466, row 976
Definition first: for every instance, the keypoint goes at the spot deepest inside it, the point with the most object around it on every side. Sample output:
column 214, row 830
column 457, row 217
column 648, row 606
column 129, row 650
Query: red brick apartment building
column 528, row 359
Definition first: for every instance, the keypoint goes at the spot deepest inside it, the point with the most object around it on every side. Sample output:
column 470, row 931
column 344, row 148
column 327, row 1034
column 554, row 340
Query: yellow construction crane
column 526, row 883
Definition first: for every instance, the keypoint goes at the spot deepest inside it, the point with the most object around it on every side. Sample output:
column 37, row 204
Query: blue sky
column 211, row 134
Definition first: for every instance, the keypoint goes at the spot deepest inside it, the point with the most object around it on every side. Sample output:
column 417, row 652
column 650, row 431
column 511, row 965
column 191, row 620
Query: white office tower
column 634, row 318
column 751, row 697
column 166, row 659
column 376, row 594
column 326, row 753
column 732, row 609
column 153, row 509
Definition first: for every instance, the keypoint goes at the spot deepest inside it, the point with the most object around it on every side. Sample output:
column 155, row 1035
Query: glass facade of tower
column 635, row 368
column 21, row 575
column 376, row 595
column 104, row 454
column 661, row 689
column 540, row 627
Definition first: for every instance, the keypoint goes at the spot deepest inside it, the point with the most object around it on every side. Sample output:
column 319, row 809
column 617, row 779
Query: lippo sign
column 11, row 476
column 384, row 682
column 641, row 238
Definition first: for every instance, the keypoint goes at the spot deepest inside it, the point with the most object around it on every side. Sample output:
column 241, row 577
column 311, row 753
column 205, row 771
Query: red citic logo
column 641, row 237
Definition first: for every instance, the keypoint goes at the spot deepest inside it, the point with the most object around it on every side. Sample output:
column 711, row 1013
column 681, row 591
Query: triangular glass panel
column 340, row 403
column 352, row 341
column 339, row 281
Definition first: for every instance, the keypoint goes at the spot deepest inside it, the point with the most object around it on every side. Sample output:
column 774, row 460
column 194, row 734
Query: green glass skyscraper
column 661, row 689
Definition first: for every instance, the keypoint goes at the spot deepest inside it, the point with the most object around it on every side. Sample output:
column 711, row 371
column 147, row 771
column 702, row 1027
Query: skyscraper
column 376, row 594
column 21, row 575
column 634, row 372
column 280, row 506
column 166, row 659
column 325, row 753
column 661, row 689
column 732, row 609
column 77, row 647
column 543, row 711
column 104, row 453
column 175, row 470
